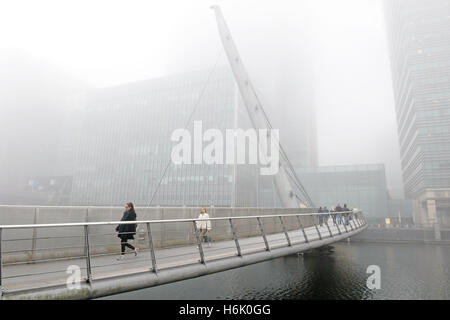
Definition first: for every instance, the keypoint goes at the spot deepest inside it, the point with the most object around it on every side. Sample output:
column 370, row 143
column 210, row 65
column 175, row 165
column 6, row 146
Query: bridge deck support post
column 318, row 232
column 199, row 243
column 357, row 221
column 285, row 232
column 303, row 229
column 152, row 249
column 235, row 237
column 336, row 224
column 263, row 233
column 88, row 254
column 328, row 227
column 349, row 223
column 34, row 236
column 343, row 223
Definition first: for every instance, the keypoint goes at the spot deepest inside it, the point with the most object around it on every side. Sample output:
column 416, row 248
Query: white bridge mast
column 255, row 111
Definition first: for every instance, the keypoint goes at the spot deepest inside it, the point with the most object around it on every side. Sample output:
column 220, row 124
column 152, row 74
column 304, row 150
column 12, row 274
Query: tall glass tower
column 419, row 35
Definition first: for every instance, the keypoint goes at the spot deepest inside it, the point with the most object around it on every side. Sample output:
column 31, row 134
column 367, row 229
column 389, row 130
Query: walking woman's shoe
column 135, row 252
column 120, row 258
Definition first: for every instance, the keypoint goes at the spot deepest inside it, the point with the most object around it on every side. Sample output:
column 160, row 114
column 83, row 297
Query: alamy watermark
column 74, row 278
column 263, row 147
column 374, row 280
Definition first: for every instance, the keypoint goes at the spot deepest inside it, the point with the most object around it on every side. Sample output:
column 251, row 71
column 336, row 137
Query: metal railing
column 309, row 227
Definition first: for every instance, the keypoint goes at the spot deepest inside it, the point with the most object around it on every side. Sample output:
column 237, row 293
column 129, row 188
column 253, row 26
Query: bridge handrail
column 81, row 224
column 358, row 222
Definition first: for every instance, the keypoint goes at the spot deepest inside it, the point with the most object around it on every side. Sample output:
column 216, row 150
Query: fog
column 336, row 50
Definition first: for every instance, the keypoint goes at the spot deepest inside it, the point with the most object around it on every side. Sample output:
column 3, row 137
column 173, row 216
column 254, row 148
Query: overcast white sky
column 112, row 42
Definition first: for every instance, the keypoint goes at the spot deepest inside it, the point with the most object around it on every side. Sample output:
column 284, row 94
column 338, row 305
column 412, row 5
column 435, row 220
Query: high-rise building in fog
column 32, row 126
column 419, row 34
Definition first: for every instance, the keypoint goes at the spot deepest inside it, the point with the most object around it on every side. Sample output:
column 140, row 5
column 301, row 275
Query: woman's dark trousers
column 124, row 243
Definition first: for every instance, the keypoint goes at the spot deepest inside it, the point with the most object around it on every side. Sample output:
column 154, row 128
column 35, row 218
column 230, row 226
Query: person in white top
column 204, row 225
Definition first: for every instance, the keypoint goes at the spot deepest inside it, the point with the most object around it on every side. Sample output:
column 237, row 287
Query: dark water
column 408, row 271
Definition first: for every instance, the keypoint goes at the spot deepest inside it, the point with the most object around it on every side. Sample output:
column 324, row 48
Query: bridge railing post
column 334, row 217
column 285, row 231
column 199, row 243
column 303, row 229
column 263, row 233
column 342, row 220
column 363, row 220
column 151, row 247
column 348, row 221
column 88, row 254
column 355, row 224
column 328, row 227
column 318, row 231
column 235, row 237
column 357, row 220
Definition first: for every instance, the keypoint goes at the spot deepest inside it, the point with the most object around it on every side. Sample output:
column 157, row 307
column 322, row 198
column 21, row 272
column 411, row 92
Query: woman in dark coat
column 127, row 231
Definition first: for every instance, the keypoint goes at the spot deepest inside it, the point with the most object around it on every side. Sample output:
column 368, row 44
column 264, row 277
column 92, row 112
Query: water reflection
column 408, row 271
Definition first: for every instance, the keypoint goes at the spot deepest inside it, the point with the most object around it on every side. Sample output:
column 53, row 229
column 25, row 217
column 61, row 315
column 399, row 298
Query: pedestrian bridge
column 43, row 261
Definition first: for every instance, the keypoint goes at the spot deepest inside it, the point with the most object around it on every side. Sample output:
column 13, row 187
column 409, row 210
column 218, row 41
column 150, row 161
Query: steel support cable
column 300, row 186
column 202, row 92
column 305, row 197
column 295, row 178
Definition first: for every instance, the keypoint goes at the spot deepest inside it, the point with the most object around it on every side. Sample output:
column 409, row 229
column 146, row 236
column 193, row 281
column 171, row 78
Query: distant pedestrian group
column 340, row 215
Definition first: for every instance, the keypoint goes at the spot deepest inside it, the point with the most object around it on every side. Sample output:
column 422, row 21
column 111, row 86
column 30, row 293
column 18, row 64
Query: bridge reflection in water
column 238, row 241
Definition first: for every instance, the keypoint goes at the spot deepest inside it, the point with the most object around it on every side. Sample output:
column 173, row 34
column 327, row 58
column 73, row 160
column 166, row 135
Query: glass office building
column 125, row 145
column 358, row 186
column 419, row 34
